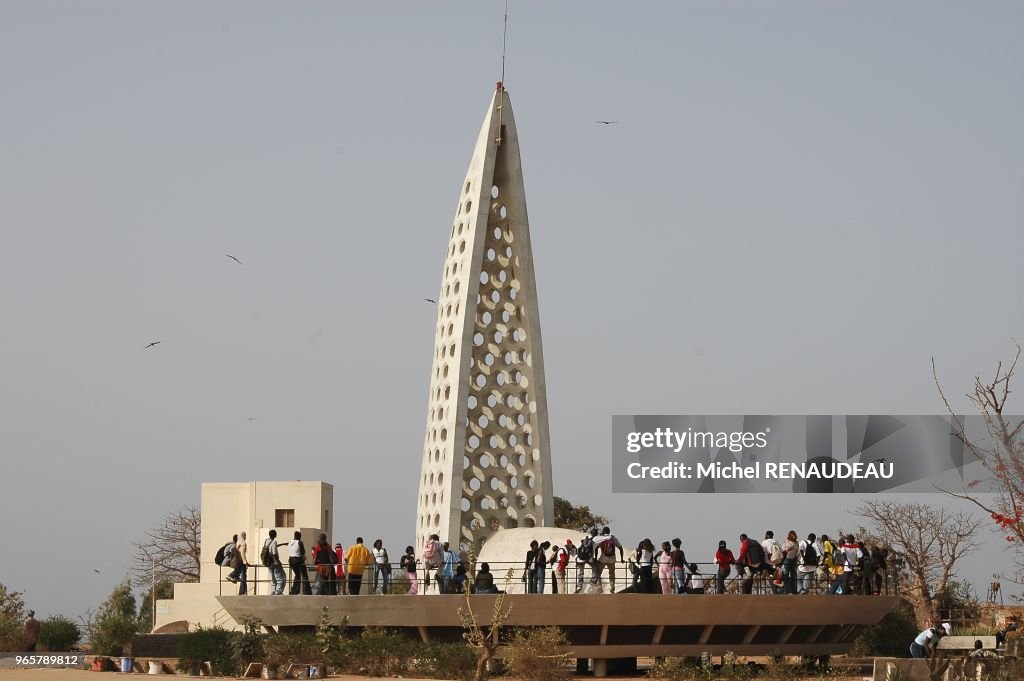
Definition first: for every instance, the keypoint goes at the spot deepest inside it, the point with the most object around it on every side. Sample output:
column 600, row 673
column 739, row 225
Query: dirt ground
column 81, row 675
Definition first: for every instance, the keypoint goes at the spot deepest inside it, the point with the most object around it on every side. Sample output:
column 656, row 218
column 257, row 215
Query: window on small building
column 327, row 527
column 284, row 517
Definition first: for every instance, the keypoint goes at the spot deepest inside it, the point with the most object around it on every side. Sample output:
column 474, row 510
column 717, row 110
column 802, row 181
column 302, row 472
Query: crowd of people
column 790, row 566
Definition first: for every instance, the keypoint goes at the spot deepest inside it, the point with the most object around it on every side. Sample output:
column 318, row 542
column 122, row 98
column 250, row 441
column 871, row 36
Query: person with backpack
column 849, row 557
column 604, row 549
column 677, row 559
column 772, row 550
column 751, row 561
column 790, row 557
column 297, row 563
column 240, row 564
column 323, row 558
column 724, row 560
column 809, row 559
column 225, row 557
column 585, row 558
column 272, row 561
column 561, row 561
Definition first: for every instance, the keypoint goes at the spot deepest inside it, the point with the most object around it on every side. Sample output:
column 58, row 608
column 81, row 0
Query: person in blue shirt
column 446, row 573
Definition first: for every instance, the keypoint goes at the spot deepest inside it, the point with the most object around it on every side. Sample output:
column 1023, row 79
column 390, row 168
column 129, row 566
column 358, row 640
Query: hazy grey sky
column 802, row 203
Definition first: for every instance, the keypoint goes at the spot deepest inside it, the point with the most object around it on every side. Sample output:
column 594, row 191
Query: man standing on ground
column 32, row 626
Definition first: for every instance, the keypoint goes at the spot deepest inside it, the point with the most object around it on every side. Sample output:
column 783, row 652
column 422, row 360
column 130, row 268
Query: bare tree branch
column 930, row 540
column 1003, row 460
column 172, row 550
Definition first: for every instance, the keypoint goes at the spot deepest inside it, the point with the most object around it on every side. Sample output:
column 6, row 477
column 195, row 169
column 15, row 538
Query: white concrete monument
column 486, row 454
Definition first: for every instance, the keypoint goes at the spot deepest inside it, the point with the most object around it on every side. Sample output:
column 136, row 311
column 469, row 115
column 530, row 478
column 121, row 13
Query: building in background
column 226, row 509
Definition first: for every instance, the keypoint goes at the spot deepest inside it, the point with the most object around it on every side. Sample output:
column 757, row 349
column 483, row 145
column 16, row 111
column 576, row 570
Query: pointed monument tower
column 486, row 454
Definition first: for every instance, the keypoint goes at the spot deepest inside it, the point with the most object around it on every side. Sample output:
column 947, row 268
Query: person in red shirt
column 562, row 562
column 724, row 559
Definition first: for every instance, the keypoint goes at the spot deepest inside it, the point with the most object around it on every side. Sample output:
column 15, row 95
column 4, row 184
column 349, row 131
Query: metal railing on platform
column 594, row 577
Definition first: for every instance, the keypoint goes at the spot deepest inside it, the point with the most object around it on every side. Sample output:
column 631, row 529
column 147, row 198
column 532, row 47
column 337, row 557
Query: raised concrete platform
column 603, row 626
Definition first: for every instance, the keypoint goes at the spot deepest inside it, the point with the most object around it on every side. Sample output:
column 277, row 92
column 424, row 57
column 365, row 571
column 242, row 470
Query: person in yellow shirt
column 357, row 558
column 833, row 569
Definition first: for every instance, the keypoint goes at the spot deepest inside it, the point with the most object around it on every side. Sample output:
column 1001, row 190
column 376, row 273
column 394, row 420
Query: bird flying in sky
column 430, row 300
column 233, row 258
column 606, row 122
column 152, row 344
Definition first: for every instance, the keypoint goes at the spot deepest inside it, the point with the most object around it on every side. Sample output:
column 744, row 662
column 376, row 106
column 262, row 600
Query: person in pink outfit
column 408, row 567
column 664, row 561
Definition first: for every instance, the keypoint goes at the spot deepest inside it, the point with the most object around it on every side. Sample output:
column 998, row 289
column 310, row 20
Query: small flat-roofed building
column 227, row 508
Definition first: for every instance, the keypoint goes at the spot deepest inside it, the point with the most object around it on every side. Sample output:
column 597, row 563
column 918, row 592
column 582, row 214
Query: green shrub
column 455, row 661
column 58, row 633
column 891, row 637
column 540, row 654
column 214, row 645
column 676, row 669
column 330, row 639
column 248, row 645
column 281, row 650
column 381, row 652
column 115, row 624
column 12, row 620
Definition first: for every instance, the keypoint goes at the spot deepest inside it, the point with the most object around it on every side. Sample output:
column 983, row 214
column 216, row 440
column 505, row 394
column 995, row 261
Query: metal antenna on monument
column 501, row 83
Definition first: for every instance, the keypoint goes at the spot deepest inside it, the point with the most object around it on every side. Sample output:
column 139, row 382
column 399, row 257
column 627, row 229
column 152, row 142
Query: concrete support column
column 600, row 668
